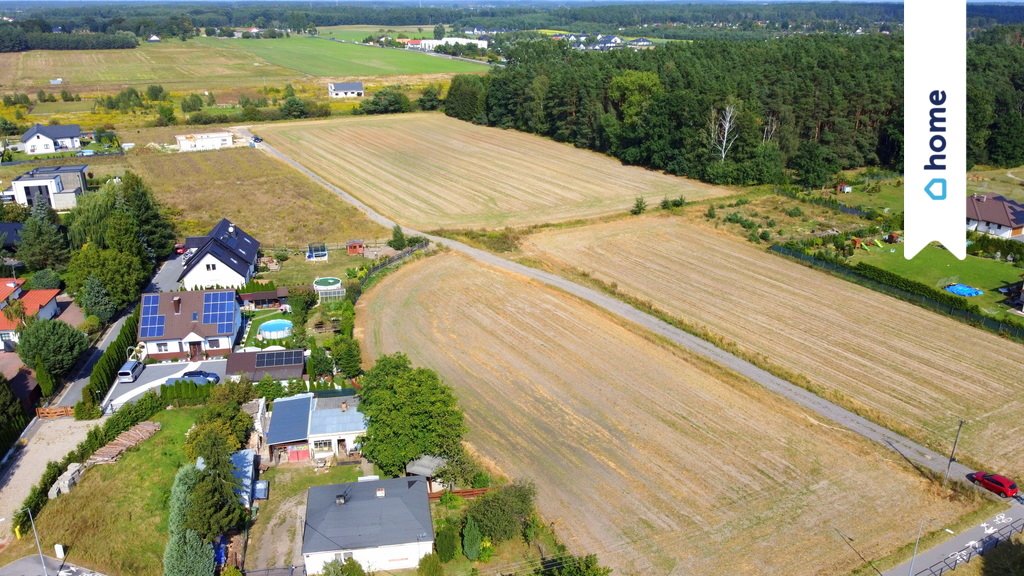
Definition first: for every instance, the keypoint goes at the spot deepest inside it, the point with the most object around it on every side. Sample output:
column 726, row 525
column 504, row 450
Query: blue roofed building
column 383, row 524
column 189, row 325
column 307, row 427
column 224, row 258
column 40, row 139
column 345, row 89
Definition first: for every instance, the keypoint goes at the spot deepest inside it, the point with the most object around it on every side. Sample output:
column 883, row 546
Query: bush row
column 914, row 287
column 186, row 392
column 105, row 371
column 987, row 245
column 129, row 415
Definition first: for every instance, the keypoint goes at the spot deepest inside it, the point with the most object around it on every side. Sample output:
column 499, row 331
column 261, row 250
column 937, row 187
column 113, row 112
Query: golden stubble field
column 278, row 205
column 657, row 461
column 918, row 370
column 430, row 171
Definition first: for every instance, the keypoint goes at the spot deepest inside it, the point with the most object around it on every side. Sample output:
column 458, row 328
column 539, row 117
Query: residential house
column 34, row 304
column 200, row 142
column 383, row 525
column 640, row 44
column 189, row 325
column 57, row 186
column 153, row 38
column 281, row 365
column 430, row 45
column 40, row 139
column 345, row 89
column 309, row 427
column 995, row 215
column 224, row 258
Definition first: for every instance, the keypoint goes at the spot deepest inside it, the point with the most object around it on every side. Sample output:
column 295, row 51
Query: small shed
column 355, row 247
column 428, row 467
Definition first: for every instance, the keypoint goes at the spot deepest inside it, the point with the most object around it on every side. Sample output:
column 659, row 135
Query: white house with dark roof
column 383, row 524
column 305, row 427
column 345, row 90
column 995, row 215
column 224, row 258
column 57, row 186
column 189, row 325
column 40, row 139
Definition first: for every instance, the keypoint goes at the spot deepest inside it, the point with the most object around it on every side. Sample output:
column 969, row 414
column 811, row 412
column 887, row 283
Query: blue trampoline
column 964, row 290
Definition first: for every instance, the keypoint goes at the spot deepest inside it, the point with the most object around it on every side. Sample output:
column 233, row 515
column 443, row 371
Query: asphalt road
column 155, row 375
column 915, row 454
column 31, row 566
column 166, row 278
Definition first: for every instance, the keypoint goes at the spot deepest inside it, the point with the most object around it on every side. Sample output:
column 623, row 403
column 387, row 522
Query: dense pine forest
column 739, row 112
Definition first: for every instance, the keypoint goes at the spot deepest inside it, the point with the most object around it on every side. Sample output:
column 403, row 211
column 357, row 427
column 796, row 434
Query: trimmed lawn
column 276, row 536
column 356, row 33
column 258, row 320
column 115, row 520
column 935, row 266
column 987, row 180
column 62, row 107
column 297, row 271
column 322, row 57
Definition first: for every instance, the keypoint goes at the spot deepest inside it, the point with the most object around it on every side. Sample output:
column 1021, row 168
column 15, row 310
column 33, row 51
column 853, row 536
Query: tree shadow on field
column 1007, row 559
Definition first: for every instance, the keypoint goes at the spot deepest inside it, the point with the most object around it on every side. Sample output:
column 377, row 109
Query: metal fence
column 392, row 260
column 1012, row 331
column 977, row 548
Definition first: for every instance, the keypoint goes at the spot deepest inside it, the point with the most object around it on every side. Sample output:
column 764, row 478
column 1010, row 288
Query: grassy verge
column 935, row 537
column 115, row 520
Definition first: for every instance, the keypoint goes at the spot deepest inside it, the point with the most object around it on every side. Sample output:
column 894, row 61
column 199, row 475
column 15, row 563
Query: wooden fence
column 55, row 412
column 468, row 493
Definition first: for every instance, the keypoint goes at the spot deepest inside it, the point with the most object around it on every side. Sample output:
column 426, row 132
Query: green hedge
column 98, row 436
column 105, row 371
column 185, row 392
column 915, row 287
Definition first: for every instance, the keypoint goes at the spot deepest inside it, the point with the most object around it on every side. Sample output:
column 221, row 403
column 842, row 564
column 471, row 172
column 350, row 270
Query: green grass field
column 356, row 33
column 936, row 267
column 322, row 57
column 62, row 107
column 115, row 520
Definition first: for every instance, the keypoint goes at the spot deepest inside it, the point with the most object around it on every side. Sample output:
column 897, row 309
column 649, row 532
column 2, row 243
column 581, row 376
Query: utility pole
column 952, row 454
column 849, row 542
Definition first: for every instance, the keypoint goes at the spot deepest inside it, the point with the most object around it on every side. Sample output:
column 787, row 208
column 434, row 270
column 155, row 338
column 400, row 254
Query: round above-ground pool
column 327, row 284
column 275, row 329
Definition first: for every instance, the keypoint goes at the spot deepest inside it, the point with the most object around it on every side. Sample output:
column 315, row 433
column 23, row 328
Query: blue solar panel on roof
column 152, row 323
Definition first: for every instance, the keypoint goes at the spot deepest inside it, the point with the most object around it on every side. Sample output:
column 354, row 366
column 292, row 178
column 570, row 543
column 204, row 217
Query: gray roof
column 345, row 86
column 51, row 171
column 289, row 420
column 402, row 516
column 329, row 418
column 425, row 466
column 227, row 243
column 53, row 132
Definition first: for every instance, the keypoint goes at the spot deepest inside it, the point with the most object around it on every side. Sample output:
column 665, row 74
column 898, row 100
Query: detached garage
column 289, row 429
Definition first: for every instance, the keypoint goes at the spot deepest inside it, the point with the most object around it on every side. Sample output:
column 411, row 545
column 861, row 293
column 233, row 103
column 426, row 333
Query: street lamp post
column 952, row 454
column 42, row 561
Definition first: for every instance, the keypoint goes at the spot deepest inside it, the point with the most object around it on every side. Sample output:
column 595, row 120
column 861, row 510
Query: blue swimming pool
column 277, row 328
column 964, row 290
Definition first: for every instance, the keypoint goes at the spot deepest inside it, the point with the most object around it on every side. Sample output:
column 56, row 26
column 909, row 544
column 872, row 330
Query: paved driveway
column 30, row 566
column 166, row 278
column 155, row 375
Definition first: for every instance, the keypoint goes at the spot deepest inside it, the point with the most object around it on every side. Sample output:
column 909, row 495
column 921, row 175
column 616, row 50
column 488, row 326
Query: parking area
column 156, row 374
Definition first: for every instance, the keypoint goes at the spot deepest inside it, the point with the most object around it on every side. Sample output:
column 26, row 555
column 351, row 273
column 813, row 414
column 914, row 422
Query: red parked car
column 179, row 248
column 1001, row 485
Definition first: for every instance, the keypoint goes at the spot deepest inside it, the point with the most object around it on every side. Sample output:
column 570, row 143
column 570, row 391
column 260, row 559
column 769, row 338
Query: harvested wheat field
column 915, row 370
column 653, row 459
column 430, row 171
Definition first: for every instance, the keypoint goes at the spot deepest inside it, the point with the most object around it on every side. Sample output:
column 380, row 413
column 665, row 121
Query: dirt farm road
column 911, row 451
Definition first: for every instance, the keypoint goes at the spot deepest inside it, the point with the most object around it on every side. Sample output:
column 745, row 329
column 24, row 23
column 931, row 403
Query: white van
column 130, row 371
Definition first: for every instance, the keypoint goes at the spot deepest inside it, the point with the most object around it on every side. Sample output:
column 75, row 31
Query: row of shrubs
column 186, row 392
column 914, row 287
column 105, row 371
column 986, row 245
column 129, row 415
